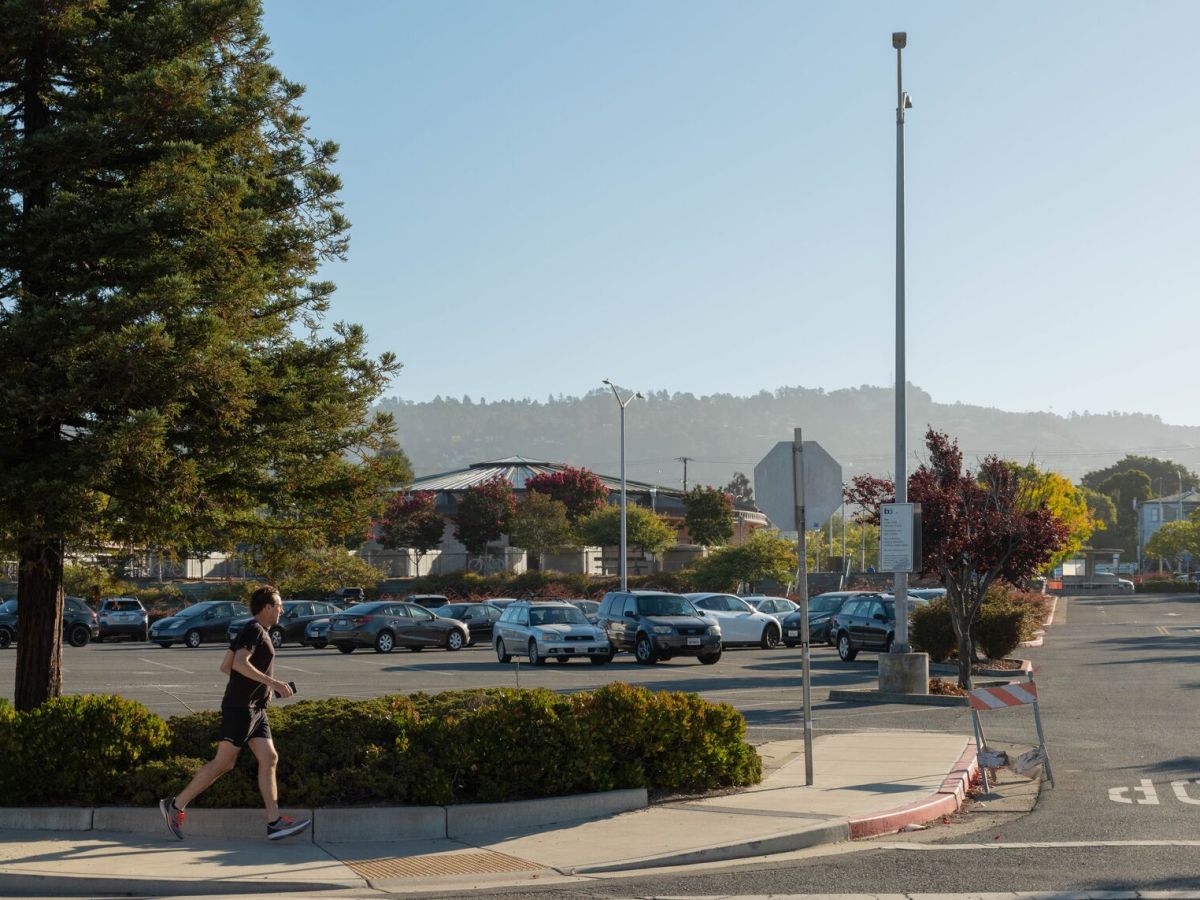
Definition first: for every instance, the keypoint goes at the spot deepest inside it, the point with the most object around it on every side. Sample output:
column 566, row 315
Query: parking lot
column 765, row 685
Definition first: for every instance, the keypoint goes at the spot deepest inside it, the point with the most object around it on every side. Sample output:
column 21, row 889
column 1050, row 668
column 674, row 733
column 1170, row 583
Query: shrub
column 998, row 628
column 931, row 631
column 86, row 743
column 1164, row 586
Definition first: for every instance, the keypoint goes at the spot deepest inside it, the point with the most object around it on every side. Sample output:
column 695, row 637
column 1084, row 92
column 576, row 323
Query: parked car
column 589, row 608
column 480, row 618
column 866, row 623
column 193, row 625
column 775, row 607
column 1125, row 585
column 80, row 624
column 740, row 622
column 429, row 601
column 500, row 602
column 297, row 614
column 316, row 634
column 551, row 629
column 387, row 624
column 820, row 610
column 927, row 593
column 655, row 625
column 126, row 616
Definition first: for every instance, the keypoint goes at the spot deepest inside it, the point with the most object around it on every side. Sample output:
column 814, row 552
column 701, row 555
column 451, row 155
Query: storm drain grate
column 435, row 864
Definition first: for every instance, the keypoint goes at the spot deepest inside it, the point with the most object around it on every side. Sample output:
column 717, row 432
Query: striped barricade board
column 1005, row 697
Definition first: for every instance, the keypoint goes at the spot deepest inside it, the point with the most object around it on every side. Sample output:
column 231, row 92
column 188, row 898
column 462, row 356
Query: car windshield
column 124, row 605
column 556, row 615
column 198, row 610
column 824, row 604
column 665, row 605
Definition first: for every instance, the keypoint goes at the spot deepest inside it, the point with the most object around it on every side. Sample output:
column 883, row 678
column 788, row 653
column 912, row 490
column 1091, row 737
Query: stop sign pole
column 802, row 592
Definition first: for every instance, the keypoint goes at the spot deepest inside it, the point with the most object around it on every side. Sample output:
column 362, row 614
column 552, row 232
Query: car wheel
column 276, row 637
column 563, row 659
column 320, row 646
column 500, row 654
column 164, row 644
column 710, row 658
column 600, row 660
column 846, row 651
column 664, row 657
column 770, row 638
column 192, row 639
column 78, row 636
column 535, row 658
column 454, row 640
column 146, row 635
column 346, row 648
column 643, row 651
column 385, row 642
column 5, row 638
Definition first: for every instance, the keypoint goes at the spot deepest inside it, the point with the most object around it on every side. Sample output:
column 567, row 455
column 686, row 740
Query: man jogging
column 249, row 663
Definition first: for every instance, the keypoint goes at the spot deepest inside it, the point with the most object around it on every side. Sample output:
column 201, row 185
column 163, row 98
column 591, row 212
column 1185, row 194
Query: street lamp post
column 903, row 102
column 623, row 403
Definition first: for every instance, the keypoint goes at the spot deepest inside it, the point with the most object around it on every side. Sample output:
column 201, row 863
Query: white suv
column 552, row 629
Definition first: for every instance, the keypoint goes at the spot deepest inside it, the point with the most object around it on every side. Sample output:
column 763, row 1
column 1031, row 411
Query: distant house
column 453, row 557
column 1153, row 514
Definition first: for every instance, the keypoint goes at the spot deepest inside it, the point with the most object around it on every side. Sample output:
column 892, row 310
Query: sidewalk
column 865, row 784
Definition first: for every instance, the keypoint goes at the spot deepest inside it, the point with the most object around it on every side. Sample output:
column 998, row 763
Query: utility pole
column 685, row 460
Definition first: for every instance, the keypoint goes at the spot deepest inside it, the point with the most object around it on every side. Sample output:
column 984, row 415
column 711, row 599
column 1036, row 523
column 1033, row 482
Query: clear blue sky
column 699, row 196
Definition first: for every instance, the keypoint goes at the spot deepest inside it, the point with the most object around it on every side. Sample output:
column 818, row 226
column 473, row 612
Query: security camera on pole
column 900, row 671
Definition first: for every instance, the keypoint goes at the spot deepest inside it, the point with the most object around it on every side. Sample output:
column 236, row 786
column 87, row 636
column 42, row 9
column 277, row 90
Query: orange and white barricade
column 1005, row 697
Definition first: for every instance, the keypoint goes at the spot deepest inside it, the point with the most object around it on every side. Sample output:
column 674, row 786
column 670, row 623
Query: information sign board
column 896, row 537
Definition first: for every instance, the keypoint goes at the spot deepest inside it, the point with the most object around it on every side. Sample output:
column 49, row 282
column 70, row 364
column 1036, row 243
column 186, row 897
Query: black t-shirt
column 241, row 691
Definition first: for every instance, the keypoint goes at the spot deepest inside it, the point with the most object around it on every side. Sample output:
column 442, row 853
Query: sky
column 700, row 196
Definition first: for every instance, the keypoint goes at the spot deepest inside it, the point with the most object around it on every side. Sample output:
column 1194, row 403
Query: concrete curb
column 949, row 669
column 339, row 825
column 834, row 831
column 947, row 800
column 866, row 696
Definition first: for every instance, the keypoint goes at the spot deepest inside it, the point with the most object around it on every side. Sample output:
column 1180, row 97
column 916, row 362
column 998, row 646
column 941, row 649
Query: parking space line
column 165, row 665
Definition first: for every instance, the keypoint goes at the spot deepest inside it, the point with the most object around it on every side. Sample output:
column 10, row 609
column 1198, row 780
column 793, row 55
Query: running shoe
column 286, row 826
column 173, row 816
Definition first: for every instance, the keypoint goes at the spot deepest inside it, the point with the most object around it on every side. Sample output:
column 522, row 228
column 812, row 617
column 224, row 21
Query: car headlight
column 713, row 629
column 547, row 635
column 663, row 629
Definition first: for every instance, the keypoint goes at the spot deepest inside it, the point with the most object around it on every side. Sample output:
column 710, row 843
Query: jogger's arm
column 227, row 662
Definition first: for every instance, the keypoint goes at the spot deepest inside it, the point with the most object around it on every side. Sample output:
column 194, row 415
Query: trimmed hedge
column 1165, row 586
column 1007, row 617
column 457, row 747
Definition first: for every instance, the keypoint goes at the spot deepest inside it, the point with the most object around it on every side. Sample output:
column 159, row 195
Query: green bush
column 998, row 628
column 75, row 749
column 931, row 631
column 1164, row 586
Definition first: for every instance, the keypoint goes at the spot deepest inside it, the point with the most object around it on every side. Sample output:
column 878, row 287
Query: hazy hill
column 723, row 433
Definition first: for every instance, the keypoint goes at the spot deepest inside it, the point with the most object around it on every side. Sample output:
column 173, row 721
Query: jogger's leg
column 268, row 758
column 225, row 760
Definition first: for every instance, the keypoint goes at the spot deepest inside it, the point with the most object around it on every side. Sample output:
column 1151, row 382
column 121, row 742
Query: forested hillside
column 722, row 433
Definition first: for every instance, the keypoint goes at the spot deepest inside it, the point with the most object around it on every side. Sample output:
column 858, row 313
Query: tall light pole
column 903, row 102
column 623, row 403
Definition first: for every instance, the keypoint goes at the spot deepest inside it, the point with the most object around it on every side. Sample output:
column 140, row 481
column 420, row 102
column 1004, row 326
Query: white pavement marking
column 1180, row 789
column 1125, row 794
column 973, row 895
column 165, row 665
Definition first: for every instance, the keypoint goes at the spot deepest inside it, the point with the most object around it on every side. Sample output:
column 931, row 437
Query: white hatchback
column 740, row 623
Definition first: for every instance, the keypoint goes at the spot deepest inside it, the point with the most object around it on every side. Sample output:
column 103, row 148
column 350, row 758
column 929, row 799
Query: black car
column 866, row 622
column 387, row 624
column 821, row 609
column 79, row 622
column 292, row 623
column 654, row 625
column 123, row 616
column 193, row 625
column 479, row 617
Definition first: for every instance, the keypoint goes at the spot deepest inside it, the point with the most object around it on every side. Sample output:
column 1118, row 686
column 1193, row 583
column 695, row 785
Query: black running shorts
column 240, row 724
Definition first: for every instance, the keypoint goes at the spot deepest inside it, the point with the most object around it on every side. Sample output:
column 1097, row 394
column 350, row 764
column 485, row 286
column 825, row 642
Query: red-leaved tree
column 411, row 521
column 976, row 527
column 579, row 490
column 483, row 514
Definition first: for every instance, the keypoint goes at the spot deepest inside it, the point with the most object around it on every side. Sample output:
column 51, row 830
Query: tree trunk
column 39, row 621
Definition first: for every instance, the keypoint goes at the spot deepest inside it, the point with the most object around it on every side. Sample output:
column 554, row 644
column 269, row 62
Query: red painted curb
column 947, row 800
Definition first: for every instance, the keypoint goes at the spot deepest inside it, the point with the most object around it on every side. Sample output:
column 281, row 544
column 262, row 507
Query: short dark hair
column 263, row 597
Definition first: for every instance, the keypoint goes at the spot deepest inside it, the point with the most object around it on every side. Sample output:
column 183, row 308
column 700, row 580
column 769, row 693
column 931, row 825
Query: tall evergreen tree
column 167, row 375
